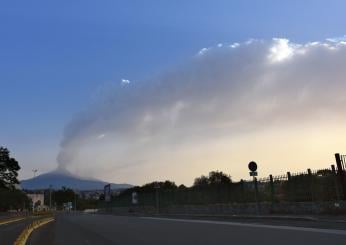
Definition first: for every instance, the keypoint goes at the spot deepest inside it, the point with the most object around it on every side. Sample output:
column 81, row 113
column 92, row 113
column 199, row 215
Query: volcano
column 62, row 178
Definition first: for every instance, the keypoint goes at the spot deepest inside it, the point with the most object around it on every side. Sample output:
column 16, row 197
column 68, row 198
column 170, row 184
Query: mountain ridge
column 62, row 178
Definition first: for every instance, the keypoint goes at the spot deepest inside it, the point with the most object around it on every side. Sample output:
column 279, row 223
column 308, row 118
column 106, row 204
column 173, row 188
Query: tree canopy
column 215, row 178
column 10, row 197
column 9, row 168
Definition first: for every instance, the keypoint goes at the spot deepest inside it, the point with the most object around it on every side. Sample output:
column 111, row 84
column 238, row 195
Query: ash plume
column 221, row 92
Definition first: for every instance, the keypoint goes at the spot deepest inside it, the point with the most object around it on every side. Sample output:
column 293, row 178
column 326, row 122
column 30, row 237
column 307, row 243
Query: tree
column 166, row 185
column 9, row 168
column 215, row 178
column 63, row 195
column 219, row 178
column 13, row 199
column 201, row 181
column 37, row 204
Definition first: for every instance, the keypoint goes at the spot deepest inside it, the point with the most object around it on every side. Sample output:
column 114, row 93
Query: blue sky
column 55, row 55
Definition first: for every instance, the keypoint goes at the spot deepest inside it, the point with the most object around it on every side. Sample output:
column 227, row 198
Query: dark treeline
column 218, row 187
column 215, row 178
column 57, row 198
column 10, row 197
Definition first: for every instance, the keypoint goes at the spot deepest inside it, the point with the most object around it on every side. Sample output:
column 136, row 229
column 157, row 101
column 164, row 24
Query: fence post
column 341, row 174
column 289, row 186
column 335, row 183
column 272, row 191
column 311, row 184
column 242, row 192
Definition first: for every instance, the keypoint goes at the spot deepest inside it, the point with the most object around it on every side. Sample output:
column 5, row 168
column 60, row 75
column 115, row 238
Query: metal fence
column 308, row 186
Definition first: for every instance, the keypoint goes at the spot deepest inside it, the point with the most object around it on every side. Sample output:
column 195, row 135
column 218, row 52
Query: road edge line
column 253, row 225
column 8, row 221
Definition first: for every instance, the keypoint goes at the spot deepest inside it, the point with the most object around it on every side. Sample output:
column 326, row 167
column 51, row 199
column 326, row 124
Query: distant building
column 37, row 201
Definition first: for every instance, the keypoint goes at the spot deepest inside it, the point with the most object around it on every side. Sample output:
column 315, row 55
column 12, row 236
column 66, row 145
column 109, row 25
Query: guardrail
column 23, row 237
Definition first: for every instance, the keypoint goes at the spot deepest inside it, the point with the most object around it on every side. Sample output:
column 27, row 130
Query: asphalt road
column 108, row 229
column 9, row 232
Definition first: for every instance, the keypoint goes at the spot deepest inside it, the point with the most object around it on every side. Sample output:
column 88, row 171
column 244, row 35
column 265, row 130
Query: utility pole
column 34, row 171
column 75, row 201
column 50, row 197
column 341, row 173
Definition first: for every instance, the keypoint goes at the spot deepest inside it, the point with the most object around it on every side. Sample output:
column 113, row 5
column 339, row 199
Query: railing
column 307, row 186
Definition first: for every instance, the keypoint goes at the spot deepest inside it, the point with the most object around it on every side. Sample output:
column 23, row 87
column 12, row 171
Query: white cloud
column 281, row 49
column 125, row 81
column 226, row 95
column 234, row 45
column 101, row 136
column 203, row 51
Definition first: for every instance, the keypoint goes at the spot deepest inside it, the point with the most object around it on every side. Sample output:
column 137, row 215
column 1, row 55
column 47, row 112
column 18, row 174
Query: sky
column 137, row 91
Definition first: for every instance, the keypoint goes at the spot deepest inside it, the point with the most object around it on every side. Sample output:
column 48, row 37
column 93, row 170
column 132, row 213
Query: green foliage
column 215, row 178
column 202, row 181
column 62, row 196
column 9, row 168
column 150, row 187
column 13, row 199
column 10, row 198
column 83, row 203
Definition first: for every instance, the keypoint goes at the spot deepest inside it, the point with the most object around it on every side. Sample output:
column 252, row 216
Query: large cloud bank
column 224, row 91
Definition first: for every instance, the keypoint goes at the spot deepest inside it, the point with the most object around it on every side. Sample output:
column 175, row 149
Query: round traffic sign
column 252, row 166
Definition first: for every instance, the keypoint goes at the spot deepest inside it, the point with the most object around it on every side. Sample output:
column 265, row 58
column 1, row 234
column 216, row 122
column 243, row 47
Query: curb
column 24, row 235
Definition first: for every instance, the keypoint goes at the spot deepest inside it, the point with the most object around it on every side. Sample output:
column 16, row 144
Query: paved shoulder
column 9, row 232
column 66, row 230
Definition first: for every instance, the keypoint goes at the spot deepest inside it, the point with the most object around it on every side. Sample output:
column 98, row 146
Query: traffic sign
column 134, row 198
column 252, row 166
column 254, row 173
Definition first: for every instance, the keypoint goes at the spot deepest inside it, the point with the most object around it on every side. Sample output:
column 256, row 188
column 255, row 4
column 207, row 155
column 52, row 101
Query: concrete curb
column 24, row 235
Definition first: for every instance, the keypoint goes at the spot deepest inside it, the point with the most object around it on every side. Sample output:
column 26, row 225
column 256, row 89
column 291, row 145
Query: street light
column 34, row 171
column 50, row 197
column 75, row 201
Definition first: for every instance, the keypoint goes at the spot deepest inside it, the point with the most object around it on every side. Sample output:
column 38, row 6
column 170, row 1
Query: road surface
column 9, row 232
column 108, row 229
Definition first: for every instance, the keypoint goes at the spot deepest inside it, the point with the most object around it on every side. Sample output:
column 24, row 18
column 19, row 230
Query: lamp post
column 50, row 197
column 75, row 201
column 34, row 172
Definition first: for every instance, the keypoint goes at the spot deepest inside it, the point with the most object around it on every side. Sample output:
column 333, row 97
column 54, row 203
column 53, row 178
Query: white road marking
column 250, row 225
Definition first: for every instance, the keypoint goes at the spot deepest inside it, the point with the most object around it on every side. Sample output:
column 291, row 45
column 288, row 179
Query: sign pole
column 256, row 194
column 253, row 167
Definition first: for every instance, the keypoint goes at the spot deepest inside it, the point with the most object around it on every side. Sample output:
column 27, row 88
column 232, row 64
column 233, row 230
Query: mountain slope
column 58, row 179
